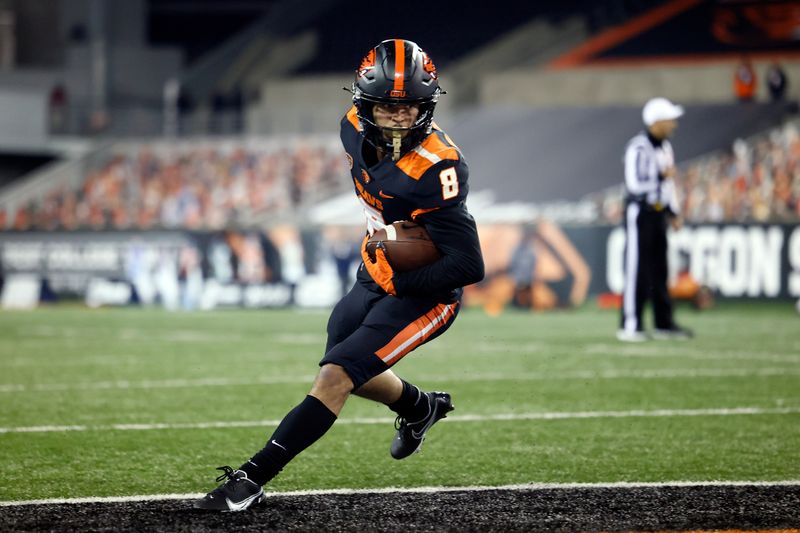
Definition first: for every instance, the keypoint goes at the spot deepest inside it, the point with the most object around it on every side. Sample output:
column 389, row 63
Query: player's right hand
column 380, row 269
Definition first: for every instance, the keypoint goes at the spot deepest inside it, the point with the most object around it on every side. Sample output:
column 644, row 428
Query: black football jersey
column 431, row 176
column 428, row 185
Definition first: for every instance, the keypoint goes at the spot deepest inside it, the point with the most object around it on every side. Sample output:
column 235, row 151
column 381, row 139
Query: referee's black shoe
column 410, row 435
column 674, row 333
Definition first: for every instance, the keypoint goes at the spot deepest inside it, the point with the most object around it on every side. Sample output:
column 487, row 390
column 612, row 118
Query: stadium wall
column 23, row 113
column 314, row 104
column 300, row 105
column 309, row 104
column 312, row 267
column 629, row 84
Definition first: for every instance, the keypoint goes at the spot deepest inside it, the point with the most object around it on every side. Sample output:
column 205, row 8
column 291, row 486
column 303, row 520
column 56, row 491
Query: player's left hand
column 380, row 269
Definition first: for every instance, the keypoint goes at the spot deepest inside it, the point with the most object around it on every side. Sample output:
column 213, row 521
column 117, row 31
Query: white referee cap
column 660, row 109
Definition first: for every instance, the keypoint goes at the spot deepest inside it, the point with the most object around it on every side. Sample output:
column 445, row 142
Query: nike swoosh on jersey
column 382, row 195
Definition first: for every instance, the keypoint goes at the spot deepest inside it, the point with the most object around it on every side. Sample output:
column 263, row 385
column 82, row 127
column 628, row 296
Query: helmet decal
column 395, row 72
column 428, row 65
column 398, row 91
column 367, row 64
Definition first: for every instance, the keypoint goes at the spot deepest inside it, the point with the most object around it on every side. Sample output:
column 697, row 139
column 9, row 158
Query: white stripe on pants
column 631, row 266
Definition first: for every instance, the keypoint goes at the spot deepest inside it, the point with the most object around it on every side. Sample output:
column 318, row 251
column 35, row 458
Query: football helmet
column 396, row 71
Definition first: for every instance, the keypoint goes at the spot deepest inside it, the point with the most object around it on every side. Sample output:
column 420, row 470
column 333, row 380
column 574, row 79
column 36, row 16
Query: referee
column 650, row 205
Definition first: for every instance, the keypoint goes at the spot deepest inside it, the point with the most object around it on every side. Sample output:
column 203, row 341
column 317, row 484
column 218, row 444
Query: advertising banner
column 545, row 266
column 540, row 265
column 735, row 261
column 175, row 269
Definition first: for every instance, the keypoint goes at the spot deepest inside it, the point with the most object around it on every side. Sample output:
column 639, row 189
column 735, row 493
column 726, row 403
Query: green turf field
column 539, row 398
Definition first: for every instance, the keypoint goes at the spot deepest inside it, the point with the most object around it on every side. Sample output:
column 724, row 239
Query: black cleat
column 411, row 434
column 236, row 494
column 673, row 333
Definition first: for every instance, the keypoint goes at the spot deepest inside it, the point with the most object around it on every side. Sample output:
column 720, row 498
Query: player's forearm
column 450, row 272
column 454, row 232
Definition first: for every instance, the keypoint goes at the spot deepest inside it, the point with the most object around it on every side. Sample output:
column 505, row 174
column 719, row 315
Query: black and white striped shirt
column 646, row 160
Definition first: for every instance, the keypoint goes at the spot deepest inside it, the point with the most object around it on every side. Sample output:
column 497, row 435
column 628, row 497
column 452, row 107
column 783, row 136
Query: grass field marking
column 116, row 360
column 419, row 490
column 608, row 350
column 98, row 360
column 656, row 413
column 658, row 349
column 127, row 334
column 499, row 417
column 686, row 373
column 154, row 384
column 311, row 339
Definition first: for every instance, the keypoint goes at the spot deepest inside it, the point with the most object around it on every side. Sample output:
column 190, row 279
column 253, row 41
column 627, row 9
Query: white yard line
column 419, row 490
column 497, row 417
column 688, row 373
column 651, row 351
column 154, row 384
column 684, row 351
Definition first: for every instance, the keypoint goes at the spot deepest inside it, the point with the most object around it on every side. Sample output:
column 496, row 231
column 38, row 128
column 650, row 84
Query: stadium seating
column 192, row 185
column 757, row 180
column 198, row 185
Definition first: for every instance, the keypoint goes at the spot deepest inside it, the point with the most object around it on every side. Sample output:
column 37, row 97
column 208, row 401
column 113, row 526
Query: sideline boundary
column 419, row 490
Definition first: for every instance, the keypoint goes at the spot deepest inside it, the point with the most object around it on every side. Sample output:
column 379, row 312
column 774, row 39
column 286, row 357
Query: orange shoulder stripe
column 431, row 151
column 434, row 144
column 353, row 119
column 414, row 165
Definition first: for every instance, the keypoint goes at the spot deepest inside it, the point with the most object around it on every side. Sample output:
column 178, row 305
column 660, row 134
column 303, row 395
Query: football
column 407, row 246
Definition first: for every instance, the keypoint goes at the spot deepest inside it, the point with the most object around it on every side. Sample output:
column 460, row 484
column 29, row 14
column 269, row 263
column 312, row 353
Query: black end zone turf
column 648, row 508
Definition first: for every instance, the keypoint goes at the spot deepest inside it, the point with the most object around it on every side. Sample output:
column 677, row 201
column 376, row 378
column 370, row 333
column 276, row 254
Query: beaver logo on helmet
column 367, row 64
column 396, row 71
column 428, row 65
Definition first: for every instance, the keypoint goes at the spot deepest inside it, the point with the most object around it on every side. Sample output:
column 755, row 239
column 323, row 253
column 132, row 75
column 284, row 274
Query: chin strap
column 396, row 143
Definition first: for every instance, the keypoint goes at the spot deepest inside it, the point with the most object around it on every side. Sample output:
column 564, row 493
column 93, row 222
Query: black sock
column 298, row 430
column 413, row 403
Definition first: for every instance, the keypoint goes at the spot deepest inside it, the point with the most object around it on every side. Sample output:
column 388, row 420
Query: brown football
column 407, row 246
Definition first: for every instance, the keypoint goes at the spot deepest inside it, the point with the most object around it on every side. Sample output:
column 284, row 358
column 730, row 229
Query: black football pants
column 645, row 267
column 369, row 332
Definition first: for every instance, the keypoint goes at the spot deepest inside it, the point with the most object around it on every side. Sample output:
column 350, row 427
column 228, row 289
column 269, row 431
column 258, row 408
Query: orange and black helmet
column 396, row 71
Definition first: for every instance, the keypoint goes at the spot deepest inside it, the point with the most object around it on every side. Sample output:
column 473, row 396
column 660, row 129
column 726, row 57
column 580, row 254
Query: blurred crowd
column 191, row 186
column 214, row 186
column 757, row 180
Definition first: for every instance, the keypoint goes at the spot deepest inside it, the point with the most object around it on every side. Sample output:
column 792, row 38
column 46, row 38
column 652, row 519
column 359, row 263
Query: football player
column 403, row 167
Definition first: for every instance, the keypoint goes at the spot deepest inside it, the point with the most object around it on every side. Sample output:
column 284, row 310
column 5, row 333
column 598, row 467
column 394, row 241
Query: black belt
column 641, row 199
